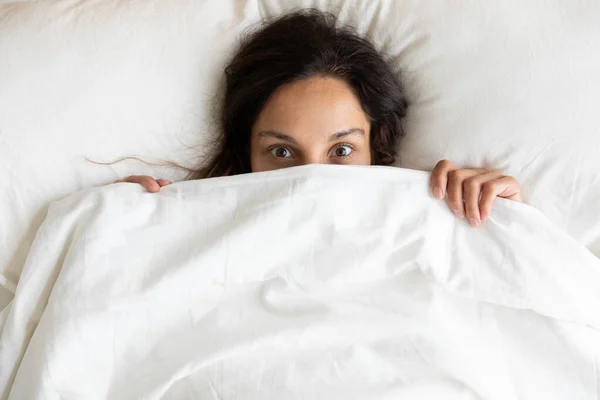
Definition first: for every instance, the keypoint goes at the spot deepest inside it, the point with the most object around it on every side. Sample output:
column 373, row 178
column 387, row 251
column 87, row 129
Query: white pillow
column 101, row 79
column 509, row 85
column 513, row 85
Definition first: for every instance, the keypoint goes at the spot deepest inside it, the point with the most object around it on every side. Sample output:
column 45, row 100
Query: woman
column 301, row 90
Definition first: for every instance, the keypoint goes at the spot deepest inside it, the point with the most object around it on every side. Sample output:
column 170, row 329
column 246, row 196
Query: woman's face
column 310, row 121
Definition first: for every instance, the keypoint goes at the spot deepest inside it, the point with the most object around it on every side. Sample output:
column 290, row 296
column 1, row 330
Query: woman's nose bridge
column 314, row 159
column 314, row 152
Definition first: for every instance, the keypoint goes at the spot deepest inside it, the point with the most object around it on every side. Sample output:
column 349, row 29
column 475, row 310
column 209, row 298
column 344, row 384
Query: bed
column 314, row 282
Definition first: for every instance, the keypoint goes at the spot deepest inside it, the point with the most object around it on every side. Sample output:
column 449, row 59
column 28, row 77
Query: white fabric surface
column 102, row 79
column 508, row 85
column 308, row 283
column 511, row 85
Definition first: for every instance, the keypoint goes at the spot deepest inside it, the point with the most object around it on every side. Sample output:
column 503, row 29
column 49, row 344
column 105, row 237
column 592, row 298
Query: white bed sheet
column 510, row 85
column 312, row 282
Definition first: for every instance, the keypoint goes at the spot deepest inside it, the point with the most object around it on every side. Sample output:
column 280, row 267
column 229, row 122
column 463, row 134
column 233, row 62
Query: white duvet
column 308, row 283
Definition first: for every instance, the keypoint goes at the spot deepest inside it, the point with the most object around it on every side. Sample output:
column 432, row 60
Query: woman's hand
column 149, row 183
column 471, row 192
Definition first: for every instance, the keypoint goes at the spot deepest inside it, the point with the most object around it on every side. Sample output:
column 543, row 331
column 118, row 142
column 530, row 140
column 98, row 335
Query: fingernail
column 473, row 222
column 459, row 214
column 438, row 194
column 483, row 216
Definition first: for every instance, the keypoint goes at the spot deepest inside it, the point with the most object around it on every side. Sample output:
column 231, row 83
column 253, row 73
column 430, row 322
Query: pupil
column 341, row 151
column 281, row 152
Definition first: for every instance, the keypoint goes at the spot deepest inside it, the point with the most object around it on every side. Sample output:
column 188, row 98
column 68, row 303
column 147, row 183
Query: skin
column 311, row 121
column 320, row 121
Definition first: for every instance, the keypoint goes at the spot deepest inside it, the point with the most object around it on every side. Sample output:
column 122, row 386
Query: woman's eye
column 281, row 152
column 342, row 151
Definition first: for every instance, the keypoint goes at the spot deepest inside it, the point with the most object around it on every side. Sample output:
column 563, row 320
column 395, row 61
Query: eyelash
column 346, row 157
column 271, row 148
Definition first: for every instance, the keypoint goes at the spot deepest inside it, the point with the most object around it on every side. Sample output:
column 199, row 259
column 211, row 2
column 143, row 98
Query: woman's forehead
column 320, row 104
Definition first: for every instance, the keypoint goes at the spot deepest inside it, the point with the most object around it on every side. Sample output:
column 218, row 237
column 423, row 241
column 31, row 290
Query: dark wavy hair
column 300, row 45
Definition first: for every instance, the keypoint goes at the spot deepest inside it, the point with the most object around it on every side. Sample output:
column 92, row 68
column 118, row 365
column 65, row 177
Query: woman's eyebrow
column 278, row 135
column 347, row 132
column 335, row 136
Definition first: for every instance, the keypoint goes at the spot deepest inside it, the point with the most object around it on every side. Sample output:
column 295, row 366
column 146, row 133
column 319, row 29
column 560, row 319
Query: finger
column 512, row 189
column 163, row 182
column 147, row 182
column 505, row 187
column 120, row 181
column 439, row 178
column 150, row 184
column 472, row 188
column 455, row 190
column 488, row 195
